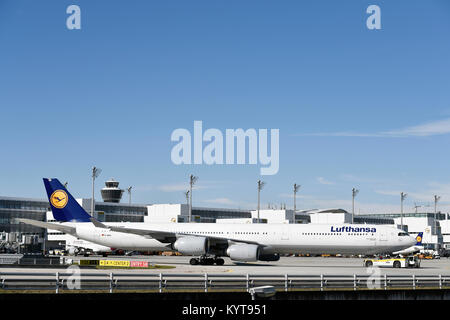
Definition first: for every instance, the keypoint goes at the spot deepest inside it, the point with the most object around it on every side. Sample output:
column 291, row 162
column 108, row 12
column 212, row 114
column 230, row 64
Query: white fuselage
column 275, row 238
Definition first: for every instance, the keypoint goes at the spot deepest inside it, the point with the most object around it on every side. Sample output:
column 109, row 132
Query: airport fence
column 158, row 282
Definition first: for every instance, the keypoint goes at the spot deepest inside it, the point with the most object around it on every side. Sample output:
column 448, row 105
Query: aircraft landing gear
column 206, row 261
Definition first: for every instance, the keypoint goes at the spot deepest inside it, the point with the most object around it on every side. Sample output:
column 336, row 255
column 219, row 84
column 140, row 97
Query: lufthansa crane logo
column 419, row 238
column 59, row 199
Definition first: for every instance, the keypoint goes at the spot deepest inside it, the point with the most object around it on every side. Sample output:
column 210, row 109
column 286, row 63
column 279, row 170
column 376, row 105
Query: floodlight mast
column 296, row 188
column 402, row 198
column 416, row 207
column 186, row 194
column 95, row 173
column 436, row 199
column 260, row 186
column 129, row 194
column 192, row 180
column 354, row 193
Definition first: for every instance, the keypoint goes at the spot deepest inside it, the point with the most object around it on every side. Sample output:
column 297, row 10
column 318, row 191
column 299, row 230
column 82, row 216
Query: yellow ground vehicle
column 407, row 262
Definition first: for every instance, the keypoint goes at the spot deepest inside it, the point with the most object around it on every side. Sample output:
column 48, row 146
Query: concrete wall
column 274, row 216
column 165, row 213
column 337, row 218
column 243, row 220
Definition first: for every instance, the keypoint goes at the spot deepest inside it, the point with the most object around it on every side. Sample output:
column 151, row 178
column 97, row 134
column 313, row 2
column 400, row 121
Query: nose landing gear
column 206, row 261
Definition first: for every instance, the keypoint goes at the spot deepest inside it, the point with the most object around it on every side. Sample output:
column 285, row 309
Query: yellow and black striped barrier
column 115, row 263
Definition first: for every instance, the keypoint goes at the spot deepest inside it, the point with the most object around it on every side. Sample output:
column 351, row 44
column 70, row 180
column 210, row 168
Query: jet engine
column 72, row 251
column 192, row 246
column 269, row 257
column 243, row 252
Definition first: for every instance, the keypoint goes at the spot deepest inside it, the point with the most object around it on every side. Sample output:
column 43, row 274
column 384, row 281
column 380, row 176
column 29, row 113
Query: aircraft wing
column 165, row 236
column 48, row 225
column 161, row 236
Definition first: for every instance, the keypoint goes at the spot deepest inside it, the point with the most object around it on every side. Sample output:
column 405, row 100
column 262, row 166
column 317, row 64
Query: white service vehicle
column 406, row 262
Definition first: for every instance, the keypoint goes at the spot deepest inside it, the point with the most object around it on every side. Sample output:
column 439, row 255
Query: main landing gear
column 207, row 261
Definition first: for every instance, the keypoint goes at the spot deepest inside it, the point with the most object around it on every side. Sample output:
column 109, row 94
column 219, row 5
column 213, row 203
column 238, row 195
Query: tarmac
column 286, row 265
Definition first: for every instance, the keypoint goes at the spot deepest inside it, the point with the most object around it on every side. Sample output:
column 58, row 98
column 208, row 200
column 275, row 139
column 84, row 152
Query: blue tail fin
column 419, row 239
column 64, row 206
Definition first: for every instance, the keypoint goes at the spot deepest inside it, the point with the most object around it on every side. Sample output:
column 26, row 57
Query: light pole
column 354, row 193
column 129, row 194
column 260, row 186
column 436, row 199
column 402, row 197
column 186, row 194
column 296, row 188
column 416, row 207
column 192, row 180
column 95, row 173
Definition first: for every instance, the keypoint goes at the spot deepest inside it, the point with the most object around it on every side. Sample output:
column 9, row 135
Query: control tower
column 112, row 192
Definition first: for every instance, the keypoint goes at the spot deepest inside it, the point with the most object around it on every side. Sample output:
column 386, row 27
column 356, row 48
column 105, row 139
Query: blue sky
column 355, row 107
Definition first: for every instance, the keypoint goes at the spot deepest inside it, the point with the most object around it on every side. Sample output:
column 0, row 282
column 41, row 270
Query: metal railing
column 170, row 282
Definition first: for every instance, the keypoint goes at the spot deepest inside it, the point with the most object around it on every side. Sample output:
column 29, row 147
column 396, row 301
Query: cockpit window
column 403, row 234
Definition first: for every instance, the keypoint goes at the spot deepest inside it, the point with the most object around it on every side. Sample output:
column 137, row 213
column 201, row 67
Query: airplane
column 413, row 249
column 210, row 241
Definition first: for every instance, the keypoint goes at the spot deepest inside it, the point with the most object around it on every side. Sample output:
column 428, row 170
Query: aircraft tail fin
column 419, row 239
column 64, row 207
